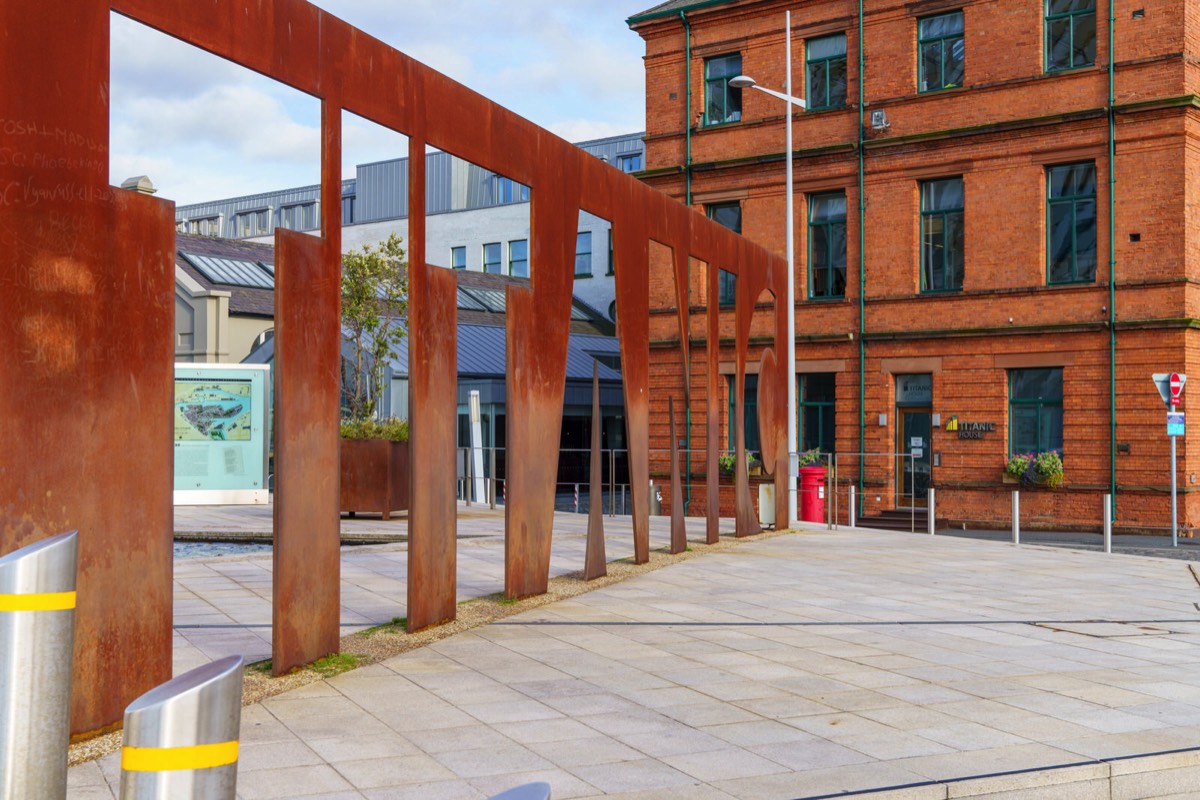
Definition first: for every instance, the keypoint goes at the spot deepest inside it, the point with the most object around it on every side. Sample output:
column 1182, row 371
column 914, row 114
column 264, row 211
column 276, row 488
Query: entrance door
column 915, row 440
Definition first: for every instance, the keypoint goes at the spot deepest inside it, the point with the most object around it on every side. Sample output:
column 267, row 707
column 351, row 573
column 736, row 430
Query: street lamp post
column 746, row 82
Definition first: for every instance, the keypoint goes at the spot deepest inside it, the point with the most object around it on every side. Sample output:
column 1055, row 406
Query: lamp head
column 742, row 82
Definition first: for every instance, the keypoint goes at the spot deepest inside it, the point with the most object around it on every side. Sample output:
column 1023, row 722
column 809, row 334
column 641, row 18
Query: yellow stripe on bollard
column 173, row 759
column 53, row 601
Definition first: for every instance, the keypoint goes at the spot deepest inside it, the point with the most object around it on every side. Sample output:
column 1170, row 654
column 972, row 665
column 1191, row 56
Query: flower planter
column 374, row 475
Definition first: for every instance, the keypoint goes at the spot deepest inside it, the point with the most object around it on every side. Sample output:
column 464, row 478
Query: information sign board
column 221, row 434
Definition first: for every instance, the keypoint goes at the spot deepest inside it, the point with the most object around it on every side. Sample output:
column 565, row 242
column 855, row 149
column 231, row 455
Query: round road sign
column 1176, row 386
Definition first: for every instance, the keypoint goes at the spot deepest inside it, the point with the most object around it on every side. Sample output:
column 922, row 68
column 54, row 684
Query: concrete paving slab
column 794, row 667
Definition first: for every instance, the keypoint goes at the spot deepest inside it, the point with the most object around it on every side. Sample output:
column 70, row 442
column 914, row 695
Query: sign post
column 1170, row 389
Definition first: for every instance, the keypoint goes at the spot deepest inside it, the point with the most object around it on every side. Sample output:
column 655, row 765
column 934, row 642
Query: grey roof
column 481, row 352
column 208, row 259
column 245, row 300
column 673, row 7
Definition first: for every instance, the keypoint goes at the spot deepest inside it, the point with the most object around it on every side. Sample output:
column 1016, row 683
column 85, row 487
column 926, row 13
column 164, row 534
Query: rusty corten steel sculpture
column 433, row 420
column 306, row 582
column 678, row 530
column 86, row 324
column 595, row 565
column 86, row 271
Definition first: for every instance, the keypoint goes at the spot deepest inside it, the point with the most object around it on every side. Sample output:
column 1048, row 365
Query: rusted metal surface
column 595, row 564
column 678, row 530
column 538, row 323
column 306, row 620
column 433, row 417
column 770, row 416
column 374, row 477
column 86, row 326
column 83, row 360
column 631, row 254
column 747, row 295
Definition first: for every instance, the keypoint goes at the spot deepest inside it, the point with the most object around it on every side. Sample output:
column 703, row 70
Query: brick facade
column 1000, row 131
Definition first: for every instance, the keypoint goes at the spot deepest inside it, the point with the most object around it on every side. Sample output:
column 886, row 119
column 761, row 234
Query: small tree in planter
column 374, row 302
column 374, row 462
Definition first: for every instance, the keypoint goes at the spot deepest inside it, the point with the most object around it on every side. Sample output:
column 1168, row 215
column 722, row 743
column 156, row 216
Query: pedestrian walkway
column 802, row 666
column 223, row 605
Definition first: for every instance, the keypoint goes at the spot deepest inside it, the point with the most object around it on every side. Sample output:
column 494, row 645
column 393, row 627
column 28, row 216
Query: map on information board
column 206, row 411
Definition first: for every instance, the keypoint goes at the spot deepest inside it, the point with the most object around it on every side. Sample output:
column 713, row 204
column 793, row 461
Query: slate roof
column 243, row 300
column 481, row 353
column 672, row 7
column 473, row 307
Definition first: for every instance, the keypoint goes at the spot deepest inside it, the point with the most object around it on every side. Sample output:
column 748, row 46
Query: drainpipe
column 687, row 335
column 1112, row 261
column 687, row 111
column 862, row 264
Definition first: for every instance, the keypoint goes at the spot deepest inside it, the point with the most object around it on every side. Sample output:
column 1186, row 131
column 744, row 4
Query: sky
column 204, row 129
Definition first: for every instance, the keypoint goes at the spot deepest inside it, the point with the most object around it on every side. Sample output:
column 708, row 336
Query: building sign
column 969, row 430
column 220, row 434
column 914, row 390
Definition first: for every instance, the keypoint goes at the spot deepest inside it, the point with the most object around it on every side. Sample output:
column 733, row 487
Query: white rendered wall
column 473, row 229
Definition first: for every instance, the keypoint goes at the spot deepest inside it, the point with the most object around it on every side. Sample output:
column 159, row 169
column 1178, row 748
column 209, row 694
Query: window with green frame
column 942, row 235
column 611, row 264
column 518, row 258
column 750, row 400
column 1070, row 34
column 491, row 259
column 1035, row 410
column 815, row 413
column 941, row 52
column 825, row 71
column 583, row 254
column 458, row 257
column 726, row 289
column 722, row 102
column 827, row 245
column 729, row 215
column 1071, row 223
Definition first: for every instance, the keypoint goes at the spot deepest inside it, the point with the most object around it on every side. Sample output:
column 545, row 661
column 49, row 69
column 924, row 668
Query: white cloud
column 203, row 128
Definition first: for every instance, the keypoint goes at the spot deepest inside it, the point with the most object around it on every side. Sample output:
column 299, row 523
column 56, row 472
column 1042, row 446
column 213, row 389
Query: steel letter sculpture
column 86, row 288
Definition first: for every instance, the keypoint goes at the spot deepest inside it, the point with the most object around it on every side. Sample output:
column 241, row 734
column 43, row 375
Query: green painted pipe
column 862, row 266
column 687, row 335
column 1112, row 261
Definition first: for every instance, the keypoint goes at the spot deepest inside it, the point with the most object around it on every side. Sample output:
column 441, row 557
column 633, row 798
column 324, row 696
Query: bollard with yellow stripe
column 37, row 637
column 181, row 739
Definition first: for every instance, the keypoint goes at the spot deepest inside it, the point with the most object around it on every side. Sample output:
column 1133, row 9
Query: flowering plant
column 1018, row 464
column 1040, row 468
column 810, row 458
column 1049, row 468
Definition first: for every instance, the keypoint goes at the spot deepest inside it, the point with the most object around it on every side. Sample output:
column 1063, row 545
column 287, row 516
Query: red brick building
column 996, row 237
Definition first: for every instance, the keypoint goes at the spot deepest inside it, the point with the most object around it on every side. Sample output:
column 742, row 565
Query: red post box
column 812, row 494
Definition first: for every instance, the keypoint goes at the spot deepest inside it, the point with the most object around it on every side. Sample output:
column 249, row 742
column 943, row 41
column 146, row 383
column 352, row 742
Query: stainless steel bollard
column 37, row 637
column 181, row 738
column 1016, row 517
column 530, row 791
column 853, row 508
column 1108, row 523
column 931, row 523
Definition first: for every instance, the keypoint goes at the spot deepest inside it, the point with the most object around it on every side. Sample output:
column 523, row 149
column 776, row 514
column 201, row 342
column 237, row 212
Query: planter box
column 374, row 476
